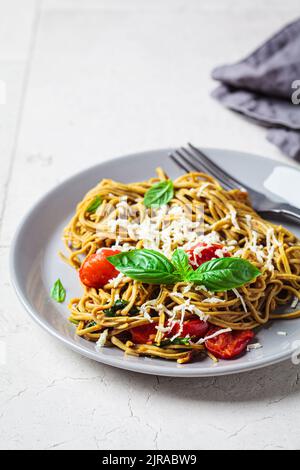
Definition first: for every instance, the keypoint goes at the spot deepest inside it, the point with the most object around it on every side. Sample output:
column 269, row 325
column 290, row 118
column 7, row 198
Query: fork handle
column 284, row 211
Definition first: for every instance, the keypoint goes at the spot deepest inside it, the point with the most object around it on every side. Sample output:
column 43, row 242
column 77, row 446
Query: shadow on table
column 272, row 383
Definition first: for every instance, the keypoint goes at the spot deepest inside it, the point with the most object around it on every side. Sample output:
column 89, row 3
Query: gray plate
column 35, row 264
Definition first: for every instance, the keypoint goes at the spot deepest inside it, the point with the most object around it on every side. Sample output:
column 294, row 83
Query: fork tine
column 224, row 176
column 179, row 163
column 203, row 166
column 194, row 165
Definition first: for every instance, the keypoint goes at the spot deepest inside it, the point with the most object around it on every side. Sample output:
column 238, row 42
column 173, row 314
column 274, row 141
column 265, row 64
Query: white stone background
column 87, row 81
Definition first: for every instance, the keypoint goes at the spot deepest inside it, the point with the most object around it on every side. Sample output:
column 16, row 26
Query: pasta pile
column 228, row 218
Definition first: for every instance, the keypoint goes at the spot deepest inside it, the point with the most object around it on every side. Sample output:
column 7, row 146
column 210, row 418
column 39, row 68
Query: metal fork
column 193, row 159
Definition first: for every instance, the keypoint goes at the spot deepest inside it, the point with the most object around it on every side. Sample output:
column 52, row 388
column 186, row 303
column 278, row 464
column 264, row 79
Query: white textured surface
column 88, row 80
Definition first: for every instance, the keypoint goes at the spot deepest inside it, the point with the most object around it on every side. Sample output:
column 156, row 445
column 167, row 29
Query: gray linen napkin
column 262, row 85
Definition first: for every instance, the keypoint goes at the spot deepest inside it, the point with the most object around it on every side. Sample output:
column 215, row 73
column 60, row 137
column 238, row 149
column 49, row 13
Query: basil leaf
column 145, row 265
column 58, row 292
column 178, row 340
column 135, row 310
column 90, row 324
column 118, row 305
column 184, row 341
column 180, row 261
column 159, row 194
column 152, row 267
column 96, row 202
column 223, row 274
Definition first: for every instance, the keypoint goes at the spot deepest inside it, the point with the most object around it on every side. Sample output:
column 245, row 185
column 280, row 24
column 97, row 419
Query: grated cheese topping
column 212, row 300
column 239, row 296
column 264, row 255
column 254, row 346
column 102, row 340
column 116, row 280
column 160, row 229
column 213, row 335
column 233, row 216
column 187, row 288
column 163, row 329
column 248, row 219
column 172, row 314
column 150, row 304
column 182, row 310
column 203, row 187
column 177, row 294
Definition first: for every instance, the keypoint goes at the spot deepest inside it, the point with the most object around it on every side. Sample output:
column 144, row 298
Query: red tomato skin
column 142, row 334
column 206, row 254
column 96, row 270
column 228, row 345
column 194, row 328
column 145, row 333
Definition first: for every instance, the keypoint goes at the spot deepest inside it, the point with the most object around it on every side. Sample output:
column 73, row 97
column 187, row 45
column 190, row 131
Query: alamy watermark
column 126, row 221
column 295, row 97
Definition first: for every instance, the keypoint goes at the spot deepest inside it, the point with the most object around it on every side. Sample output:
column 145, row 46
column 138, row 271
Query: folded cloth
column 261, row 87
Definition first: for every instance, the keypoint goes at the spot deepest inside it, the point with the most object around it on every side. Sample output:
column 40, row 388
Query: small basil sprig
column 58, row 292
column 93, row 206
column 152, row 267
column 159, row 194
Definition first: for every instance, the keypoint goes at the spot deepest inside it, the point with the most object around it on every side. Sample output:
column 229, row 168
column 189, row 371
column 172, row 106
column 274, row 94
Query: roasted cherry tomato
column 203, row 252
column 96, row 270
column 144, row 334
column 228, row 345
column 194, row 328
